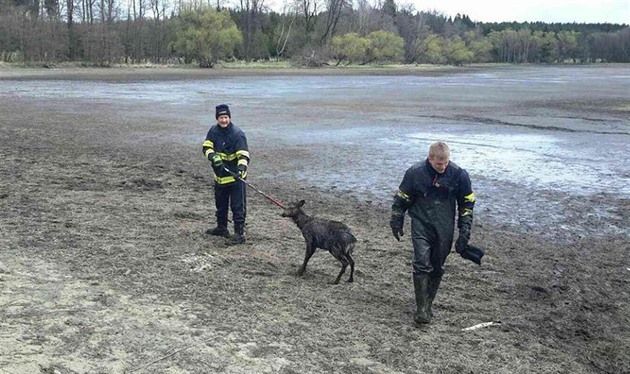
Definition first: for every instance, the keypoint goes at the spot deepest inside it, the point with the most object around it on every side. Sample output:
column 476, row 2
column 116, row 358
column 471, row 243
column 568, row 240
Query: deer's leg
column 351, row 261
column 344, row 264
column 310, row 249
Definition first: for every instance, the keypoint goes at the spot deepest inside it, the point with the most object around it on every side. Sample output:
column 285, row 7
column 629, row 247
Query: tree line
column 307, row 32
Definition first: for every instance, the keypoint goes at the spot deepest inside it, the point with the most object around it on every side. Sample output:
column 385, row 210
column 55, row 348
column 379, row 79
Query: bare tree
column 87, row 11
column 285, row 30
column 137, row 29
column 71, row 32
column 251, row 14
column 367, row 18
column 30, row 7
column 308, row 9
column 334, row 9
column 159, row 35
column 414, row 30
column 52, row 9
column 109, row 11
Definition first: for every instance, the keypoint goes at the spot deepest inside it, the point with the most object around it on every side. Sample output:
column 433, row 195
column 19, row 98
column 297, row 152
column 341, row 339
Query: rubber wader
column 421, row 287
column 434, row 285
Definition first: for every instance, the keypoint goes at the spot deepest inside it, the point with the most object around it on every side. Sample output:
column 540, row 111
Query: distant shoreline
column 171, row 72
column 134, row 72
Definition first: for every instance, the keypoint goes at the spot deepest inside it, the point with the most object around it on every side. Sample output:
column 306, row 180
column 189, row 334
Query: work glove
column 461, row 244
column 217, row 163
column 396, row 223
column 465, row 225
column 242, row 170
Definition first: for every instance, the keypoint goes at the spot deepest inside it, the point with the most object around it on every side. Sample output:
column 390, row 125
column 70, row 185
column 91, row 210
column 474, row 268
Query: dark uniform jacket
column 433, row 199
column 231, row 144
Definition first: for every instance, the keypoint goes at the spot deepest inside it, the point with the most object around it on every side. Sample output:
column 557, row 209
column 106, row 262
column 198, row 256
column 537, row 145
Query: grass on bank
column 229, row 65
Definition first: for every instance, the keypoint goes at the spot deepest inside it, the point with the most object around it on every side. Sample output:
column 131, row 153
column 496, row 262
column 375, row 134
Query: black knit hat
column 223, row 109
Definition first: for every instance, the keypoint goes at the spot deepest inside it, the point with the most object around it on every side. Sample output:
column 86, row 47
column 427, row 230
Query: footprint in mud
column 538, row 292
column 142, row 184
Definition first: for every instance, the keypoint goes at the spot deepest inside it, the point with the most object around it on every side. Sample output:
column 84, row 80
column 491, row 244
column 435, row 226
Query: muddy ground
column 105, row 268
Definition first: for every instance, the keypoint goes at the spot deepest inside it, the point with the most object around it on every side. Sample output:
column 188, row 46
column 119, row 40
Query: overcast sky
column 549, row 11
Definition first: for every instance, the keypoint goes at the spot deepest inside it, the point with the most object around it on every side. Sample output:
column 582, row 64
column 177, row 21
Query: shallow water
column 524, row 135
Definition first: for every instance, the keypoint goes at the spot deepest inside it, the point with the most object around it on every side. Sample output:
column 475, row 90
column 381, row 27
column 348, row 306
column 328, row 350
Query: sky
column 548, row 11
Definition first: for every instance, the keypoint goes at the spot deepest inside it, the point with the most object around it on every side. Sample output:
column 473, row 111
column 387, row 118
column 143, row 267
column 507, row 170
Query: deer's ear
column 301, row 203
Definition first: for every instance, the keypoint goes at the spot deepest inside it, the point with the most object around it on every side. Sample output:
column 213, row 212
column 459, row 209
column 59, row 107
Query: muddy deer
column 333, row 236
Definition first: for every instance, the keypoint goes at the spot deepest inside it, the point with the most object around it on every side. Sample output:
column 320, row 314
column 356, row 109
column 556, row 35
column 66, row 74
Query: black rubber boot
column 239, row 234
column 421, row 287
column 219, row 231
column 434, row 285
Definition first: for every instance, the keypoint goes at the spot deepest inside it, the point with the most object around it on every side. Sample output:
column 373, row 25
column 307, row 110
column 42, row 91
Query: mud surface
column 105, row 198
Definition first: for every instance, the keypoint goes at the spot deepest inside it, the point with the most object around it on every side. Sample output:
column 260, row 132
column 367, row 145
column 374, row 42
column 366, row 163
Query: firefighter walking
column 433, row 192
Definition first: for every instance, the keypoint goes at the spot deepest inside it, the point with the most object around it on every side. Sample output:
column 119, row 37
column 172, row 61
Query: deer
column 333, row 236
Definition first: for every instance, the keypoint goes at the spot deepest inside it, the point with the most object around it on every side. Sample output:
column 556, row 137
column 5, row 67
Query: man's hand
column 242, row 170
column 217, row 163
column 461, row 244
column 396, row 223
column 397, row 231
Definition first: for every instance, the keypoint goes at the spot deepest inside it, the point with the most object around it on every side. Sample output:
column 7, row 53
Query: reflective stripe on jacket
column 230, row 144
column 434, row 198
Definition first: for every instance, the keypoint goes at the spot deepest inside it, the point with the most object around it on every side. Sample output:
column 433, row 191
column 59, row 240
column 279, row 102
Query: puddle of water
column 522, row 179
column 540, row 161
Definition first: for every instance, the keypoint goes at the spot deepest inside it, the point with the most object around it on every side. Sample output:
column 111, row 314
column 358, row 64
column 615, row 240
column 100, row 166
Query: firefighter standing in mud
column 226, row 148
column 432, row 192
